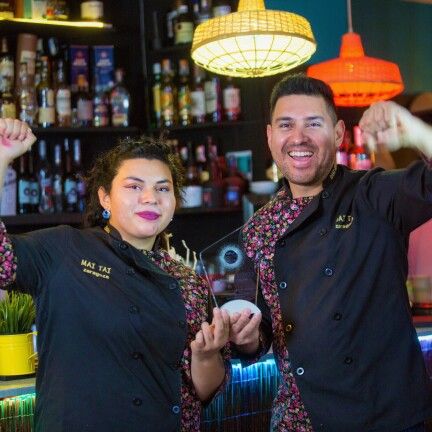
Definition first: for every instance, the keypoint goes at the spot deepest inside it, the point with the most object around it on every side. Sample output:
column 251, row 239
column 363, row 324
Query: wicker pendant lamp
column 253, row 42
column 358, row 80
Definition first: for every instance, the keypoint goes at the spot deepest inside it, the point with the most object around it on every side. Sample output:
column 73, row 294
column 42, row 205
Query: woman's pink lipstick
column 149, row 215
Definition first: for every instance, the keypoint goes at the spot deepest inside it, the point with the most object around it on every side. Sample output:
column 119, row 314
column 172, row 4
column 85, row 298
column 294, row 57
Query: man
column 330, row 253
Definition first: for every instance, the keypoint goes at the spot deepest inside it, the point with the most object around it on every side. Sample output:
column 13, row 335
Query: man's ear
column 104, row 198
column 339, row 132
column 269, row 135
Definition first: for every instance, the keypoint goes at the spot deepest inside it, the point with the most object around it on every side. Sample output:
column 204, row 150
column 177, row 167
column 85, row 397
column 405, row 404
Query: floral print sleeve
column 195, row 296
column 8, row 262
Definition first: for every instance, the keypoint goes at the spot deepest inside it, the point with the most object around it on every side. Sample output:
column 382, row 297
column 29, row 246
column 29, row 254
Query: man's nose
column 297, row 135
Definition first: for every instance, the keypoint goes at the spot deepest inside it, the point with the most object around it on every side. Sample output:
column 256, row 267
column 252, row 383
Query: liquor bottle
column 235, row 184
column 212, row 89
column 6, row 9
column 26, row 52
column 45, row 92
column 231, row 100
column 69, row 182
column 23, row 199
column 7, row 102
column 57, row 10
column 214, row 188
column 192, row 190
column 33, row 184
column 221, row 7
column 201, row 158
column 101, row 104
column 26, row 97
column 78, row 173
column 7, row 67
column 45, row 180
column 343, row 151
column 168, row 95
column 40, row 52
column 83, row 103
column 101, row 107
column 198, row 102
column 184, row 25
column 119, row 101
column 156, row 93
column 184, row 94
column 92, row 10
column 201, row 11
column 58, row 179
column 359, row 158
column 156, row 40
column 63, row 102
column 8, row 204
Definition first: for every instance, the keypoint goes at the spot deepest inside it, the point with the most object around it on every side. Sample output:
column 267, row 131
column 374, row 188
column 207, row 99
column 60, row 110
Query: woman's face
column 141, row 201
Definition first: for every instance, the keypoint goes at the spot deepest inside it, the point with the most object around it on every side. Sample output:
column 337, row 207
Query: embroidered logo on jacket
column 344, row 221
column 94, row 269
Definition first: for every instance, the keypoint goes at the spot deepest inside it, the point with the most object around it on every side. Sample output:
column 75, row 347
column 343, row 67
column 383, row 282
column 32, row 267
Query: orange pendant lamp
column 358, row 80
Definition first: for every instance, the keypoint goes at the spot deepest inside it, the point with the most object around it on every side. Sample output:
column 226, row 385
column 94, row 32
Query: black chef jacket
column 351, row 337
column 120, row 337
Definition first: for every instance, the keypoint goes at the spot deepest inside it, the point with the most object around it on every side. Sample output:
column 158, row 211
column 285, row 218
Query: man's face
column 303, row 141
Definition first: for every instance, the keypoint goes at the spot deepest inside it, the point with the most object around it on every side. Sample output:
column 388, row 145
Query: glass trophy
column 233, row 286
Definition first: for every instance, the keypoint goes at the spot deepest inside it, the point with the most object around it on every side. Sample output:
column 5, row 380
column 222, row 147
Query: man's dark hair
column 303, row 85
column 107, row 165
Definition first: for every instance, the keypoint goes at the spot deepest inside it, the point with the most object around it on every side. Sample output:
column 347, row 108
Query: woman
column 123, row 343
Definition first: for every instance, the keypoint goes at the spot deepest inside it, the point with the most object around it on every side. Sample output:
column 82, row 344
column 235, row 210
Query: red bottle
column 359, row 157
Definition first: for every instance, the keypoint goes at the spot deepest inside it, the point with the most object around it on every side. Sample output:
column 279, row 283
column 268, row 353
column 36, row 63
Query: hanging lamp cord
column 349, row 15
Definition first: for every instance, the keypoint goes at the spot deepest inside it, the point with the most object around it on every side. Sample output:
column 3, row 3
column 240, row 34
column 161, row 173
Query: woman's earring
column 106, row 214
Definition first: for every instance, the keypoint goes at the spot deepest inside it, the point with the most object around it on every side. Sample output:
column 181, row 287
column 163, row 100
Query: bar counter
column 245, row 404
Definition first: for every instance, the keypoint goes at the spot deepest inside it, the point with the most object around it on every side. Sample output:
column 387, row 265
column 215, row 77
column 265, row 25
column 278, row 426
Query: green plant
column 17, row 313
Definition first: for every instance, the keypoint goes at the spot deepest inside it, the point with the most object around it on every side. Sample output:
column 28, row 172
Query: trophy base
column 239, row 305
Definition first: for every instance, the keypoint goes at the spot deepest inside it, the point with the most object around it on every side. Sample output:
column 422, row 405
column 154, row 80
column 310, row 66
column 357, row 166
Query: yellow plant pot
column 17, row 354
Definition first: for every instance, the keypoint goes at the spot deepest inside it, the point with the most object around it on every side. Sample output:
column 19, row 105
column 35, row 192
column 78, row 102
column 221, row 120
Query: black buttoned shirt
column 340, row 270
column 111, row 333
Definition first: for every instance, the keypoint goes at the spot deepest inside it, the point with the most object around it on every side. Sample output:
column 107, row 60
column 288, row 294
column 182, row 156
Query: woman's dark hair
column 107, row 165
column 303, row 85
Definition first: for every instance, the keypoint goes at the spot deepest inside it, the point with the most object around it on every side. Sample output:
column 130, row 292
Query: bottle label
column 167, row 105
column 46, row 115
column 6, row 14
column 9, row 195
column 85, row 110
column 34, row 193
column 221, row 10
column 184, row 103
column 81, row 188
column 233, row 196
column 119, row 109
column 24, row 192
column 157, row 99
column 70, row 191
column 92, row 10
column 119, row 119
column 8, row 110
column 63, row 102
column 210, row 90
column 362, row 162
column 101, row 115
column 183, row 32
column 6, row 75
column 57, row 185
column 231, row 100
column 29, row 58
column 342, row 158
column 192, row 196
column 198, row 103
